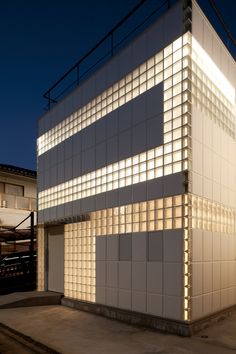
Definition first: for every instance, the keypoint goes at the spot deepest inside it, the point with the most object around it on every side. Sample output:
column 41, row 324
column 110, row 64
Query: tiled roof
column 18, row 170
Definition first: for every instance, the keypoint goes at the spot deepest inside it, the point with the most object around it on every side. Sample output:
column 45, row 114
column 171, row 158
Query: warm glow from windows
column 148, row 165
column 166, row 65
column 211, row 70
column 80, row 238
column 161, row 161
column 132, row 85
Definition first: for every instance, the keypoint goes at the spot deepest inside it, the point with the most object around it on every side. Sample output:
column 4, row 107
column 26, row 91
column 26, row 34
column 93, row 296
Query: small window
column 1, row 187
column 13, row 189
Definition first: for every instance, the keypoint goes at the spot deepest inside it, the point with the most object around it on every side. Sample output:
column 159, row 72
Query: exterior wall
column 117, row 265
column 139, row 164
column 213, row 174
column 111, row 158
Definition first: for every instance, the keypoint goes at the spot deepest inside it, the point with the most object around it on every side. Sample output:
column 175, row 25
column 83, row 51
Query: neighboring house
column 137, row 180
column 18, row 190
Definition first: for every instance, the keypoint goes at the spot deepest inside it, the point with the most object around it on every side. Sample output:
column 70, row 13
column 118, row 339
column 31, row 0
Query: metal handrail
column 76, row 67
column 4, row 202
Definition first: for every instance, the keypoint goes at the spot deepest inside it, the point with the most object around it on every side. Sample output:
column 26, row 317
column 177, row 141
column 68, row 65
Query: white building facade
column 137, row 179
column 18, row 192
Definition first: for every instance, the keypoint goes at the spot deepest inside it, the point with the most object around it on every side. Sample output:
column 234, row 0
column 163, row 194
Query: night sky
column 39, row 41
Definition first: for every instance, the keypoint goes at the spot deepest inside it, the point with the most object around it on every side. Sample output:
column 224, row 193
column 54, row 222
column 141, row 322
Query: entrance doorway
column 56, row 259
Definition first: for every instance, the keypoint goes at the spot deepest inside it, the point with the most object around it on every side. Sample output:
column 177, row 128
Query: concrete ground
column 9, row 346
column 71, row 331
column 29, row 298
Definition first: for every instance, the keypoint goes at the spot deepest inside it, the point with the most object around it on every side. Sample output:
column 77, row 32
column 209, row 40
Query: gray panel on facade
column 100, row 201
column 174, row 184
column 139, row 192
column 154, row 105
column 87, row 204
column 125, row 247
column 88, row 137
column 156, row 188
column 100, row 130
column 139, row 246
column 56, row 261
column 68, row 209
column 155, row 246
column 60, row 152
column 68, row 169
column 155, row 131
column 88, row 160
column 101, row 155
column 69, row 148
column 60, row 211
column 112, row 149
column 139, row 138
column 125, row 116
column 134, row 134
column 112, row 198
column 113, row 248
column 101, row 244
column 112, row 124
column 77, row 144
column 125, row 144
column 77, row 165
column 125, row 195
column 53, row 213
column 131, row 140
column 139, row 107
column 60, row 173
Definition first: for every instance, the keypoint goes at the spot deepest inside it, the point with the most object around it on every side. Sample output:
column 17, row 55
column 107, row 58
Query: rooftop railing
column 110, row 44
column 120, row 35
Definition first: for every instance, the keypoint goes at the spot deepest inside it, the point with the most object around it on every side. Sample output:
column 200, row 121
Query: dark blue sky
column 39, row 41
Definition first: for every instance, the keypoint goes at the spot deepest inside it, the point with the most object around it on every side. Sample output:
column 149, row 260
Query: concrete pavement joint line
column 27, row 341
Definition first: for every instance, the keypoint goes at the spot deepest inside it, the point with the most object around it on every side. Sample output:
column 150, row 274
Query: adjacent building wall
column 13, row 208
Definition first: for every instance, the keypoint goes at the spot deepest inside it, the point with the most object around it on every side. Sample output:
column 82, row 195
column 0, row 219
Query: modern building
column 137, row 180
column 18, row 191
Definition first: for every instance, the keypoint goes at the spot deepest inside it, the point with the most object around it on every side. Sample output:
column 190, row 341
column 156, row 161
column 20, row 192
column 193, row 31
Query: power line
column 220, row 18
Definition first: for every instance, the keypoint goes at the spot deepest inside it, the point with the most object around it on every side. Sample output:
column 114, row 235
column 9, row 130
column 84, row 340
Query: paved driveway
column 71, row 331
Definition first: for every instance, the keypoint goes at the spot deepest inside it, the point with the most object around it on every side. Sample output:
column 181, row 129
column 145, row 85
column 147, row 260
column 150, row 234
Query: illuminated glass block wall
column 169, row 68
column 80, row 238
column 213, row 171
column 154, row 231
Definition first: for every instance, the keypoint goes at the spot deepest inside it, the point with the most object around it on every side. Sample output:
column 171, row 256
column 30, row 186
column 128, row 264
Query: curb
column 27, row 341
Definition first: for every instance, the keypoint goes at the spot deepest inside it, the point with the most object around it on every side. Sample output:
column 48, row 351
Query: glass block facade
column 139, row 168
